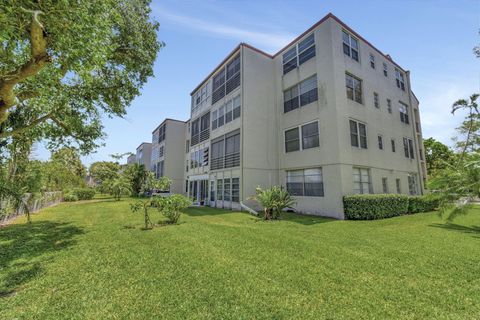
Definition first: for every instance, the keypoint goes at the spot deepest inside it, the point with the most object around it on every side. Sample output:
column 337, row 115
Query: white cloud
column 269, row 41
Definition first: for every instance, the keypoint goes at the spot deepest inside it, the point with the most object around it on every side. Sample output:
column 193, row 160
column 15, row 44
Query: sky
column 431, row 38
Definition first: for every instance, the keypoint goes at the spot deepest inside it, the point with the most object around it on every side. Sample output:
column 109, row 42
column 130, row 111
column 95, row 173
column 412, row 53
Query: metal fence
column 32, row 201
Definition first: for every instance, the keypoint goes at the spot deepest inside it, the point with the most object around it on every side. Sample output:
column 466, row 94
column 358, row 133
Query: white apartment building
column 143, row 154
column 168, row 152
column 326, row 116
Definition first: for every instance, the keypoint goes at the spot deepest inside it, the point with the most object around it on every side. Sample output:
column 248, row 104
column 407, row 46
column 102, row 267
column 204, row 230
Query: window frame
column 361, row 190
column 303, row 177
column 372, row 60
column 300, row 137
column 294, row 54
column 355, row 81
column 312, row 95
column 358, row 135
column 348, row 45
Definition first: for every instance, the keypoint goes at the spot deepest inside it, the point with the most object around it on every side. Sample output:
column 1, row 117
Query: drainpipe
column 242, row 119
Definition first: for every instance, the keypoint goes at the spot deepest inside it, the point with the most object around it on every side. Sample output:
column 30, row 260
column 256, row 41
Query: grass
column 91, row 260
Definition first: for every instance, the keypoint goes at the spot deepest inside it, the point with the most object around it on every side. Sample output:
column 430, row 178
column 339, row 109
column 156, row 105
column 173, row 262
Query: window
column 235, row 189
column 292, row 140
column 214, row 120
column 200, row 96
column 233, row 74
column 236, row 107
column 380, row 142
column 372, row 61
column 226, row 80
column 226, row 151
column 219, row 189
column 226, row 190
column 400, row 80
column 161, row 133
column 408, row 148
column 187, row 146
column 159, row 170
column 218, row 86
column 399, row 186
column 361, row 181
column 300, row 95
column 354, row 88
column 389, row 106
column 385, row 70
column 350, row 46
column 195, row 134
column 200, row 129
column 376, row 101
column 358, row 134
column 299, row 54
column 226, row 113
column 310, row 138
column 232, row 149
column 212, row 190
column 412, row 184
column 392, row 141
column 305, row 182
column 385, row 185
column 403, row 113
column 160, row 151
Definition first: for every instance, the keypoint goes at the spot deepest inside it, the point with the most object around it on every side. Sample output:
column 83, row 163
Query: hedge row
column 381, row 206
column 79, row 194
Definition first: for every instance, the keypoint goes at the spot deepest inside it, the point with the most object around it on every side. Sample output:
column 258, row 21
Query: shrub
column 273, row 200
column 171, row 206
column 70, row 197
column 374, row 206
column 423, row 203
column 84, row 193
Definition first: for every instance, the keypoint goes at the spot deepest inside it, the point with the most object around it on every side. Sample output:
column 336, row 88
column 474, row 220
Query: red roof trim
column 329, row 15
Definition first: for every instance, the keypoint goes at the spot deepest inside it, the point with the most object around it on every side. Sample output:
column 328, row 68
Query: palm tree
column 273, row 200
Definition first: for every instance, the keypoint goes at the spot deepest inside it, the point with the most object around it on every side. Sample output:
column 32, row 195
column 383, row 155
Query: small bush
column 70, row 197
column 84, row 193
column 171, row 206
column 374, row 206
column 423, row 203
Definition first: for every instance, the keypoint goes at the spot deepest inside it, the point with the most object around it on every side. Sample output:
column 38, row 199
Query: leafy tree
column 118, row 187
column 65, row 170
column 438, row 156
column 67, row 63
column 273, row 200
column 459, row 183
column 104, row 170
column 137, row 174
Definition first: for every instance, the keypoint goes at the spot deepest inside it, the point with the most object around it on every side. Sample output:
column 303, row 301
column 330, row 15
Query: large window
column 299, row 54
column 361, row 181
column 226, row 113
column 226, row 151
column 403, row 109
column 408, row 148
column 227, row 189
column 200, row 96
column 226, row 80
column 200, row 129
column 161, row 133
column 350, row 46
column 305, row 182
column 300, row 95
column 161, row 151
column 354, row 88
column 399, row 79
column 358, row 134
column 292, row 140
column 309, row 137
column 412, row 184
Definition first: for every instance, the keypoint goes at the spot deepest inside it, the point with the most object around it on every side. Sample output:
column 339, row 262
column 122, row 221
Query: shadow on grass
column 474, row 230
column 205, row 211
column 25, row 247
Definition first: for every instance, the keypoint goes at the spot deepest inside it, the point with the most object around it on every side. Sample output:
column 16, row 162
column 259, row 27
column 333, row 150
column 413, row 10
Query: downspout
column 415, row 137
column 242, row 132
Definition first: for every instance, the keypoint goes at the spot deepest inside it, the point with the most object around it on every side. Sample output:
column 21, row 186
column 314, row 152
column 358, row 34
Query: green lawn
column 92, row 260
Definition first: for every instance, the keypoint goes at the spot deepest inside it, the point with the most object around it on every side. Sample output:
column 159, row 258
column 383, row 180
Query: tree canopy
column 66, row 64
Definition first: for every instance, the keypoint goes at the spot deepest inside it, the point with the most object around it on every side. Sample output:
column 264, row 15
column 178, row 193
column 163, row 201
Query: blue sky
column 432, row 39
